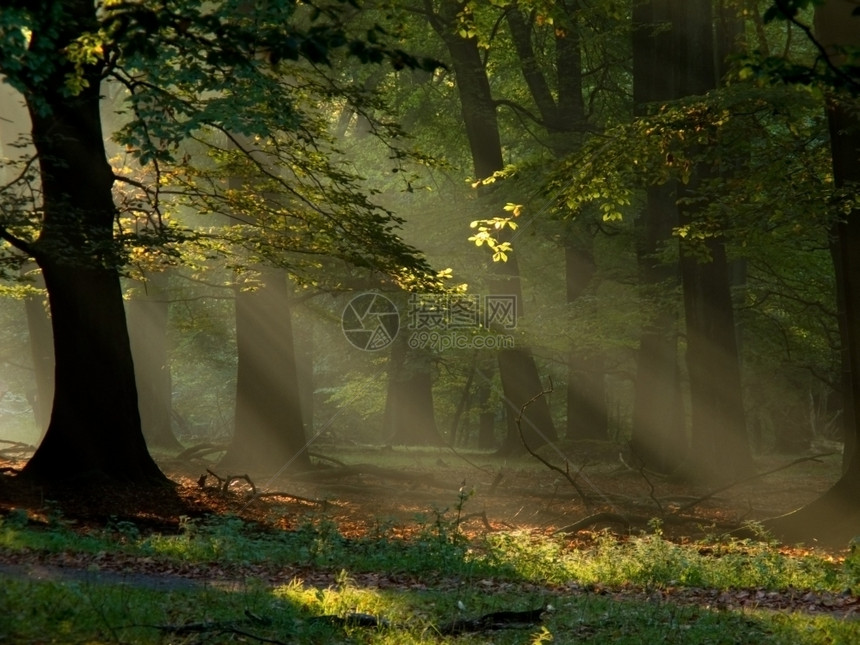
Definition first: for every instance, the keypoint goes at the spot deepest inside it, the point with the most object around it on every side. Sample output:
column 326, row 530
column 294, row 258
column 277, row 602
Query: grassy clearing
column 615, row 591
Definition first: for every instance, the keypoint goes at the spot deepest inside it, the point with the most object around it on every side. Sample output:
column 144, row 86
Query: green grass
column 442, row 576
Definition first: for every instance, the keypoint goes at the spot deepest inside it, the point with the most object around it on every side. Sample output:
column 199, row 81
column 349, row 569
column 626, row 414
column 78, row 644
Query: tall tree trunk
column 720, row 446
column 147, row 313
column 587, row 416
column 268, row 435
column 658, row 437
column 718, row 425
column 409, row 415
column 834, row 518
column 517, row 368
column 563, row 116
column 94, row 430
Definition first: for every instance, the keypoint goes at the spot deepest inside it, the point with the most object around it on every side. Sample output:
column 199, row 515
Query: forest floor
column 367, row 491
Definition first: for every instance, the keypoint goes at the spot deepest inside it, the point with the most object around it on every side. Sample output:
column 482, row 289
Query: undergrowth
column 433, row 577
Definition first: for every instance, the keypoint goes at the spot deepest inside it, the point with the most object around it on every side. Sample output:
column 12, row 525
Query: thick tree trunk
column 720, row 446
column 147, row 313
column 834, row 518
column 410, row 419
column 94, row 432
column 269, row 433
column 42, row 355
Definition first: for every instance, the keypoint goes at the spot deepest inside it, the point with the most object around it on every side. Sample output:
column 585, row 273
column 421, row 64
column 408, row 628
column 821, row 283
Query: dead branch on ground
column 563, row 472
column 751, row 478
column 224, row 484
column 200, row 450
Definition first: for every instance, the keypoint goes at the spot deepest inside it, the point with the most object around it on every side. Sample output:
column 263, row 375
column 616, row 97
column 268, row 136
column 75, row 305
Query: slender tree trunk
column 586, row 388
column 268, row 435
column 303, row 334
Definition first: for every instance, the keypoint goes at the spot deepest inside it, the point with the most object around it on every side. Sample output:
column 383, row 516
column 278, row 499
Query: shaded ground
column 361, row 489
column 401, row 491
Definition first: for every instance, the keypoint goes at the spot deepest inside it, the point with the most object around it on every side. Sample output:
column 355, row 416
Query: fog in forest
column 244, row 357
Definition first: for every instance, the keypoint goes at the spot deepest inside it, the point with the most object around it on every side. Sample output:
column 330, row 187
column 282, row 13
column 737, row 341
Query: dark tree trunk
column 718, row 427
column 147, row 313
column 562, row 113
column 476, row 100
column 587, row 416
column 563, row 116
column 518, row 371
column 720, row 446
column 268, row 436
column 410, row 419
column 834, row 518
column 658, row 438
column 94, row 430
column 42, row 355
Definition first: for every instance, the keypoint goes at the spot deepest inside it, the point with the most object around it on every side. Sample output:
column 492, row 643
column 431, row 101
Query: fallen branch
column 564, row 473
column 493, row 621
column 217, row 627
column 225, row 482
column 488, row 622
column 200, row 450
column 746, row 480
column 591, row 520
column 298, row 498
column 16, row 447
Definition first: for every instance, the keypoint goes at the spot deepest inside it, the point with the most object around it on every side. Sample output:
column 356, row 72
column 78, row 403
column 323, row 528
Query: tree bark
column 720, row 448
column 517, row 368
column 834, row 518
column 658, row 438
column 94, row 432
column 473, row 86
column 42, row 355
column 410, row 419
column 269, row 433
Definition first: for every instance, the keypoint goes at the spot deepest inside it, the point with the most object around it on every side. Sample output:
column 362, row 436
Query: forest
column 429, row 321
